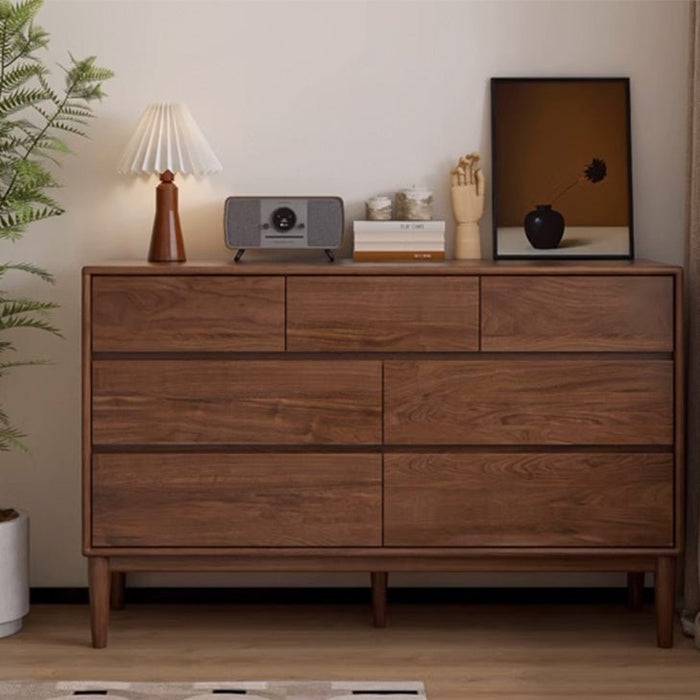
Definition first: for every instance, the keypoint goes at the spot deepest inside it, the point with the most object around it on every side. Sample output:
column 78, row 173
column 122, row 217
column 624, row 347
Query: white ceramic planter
column 14, row 574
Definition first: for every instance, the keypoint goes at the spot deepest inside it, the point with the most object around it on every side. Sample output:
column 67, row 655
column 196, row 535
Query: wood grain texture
column 665, row 595
column 609, row 507
column 529, row 401
column 592, row 313
column 117, row 590
column 180, row 402
column 99, row 582
column 528, row 500
column 205, row 313
column 383, row 314
column 679, row 362
column 635, row 590
column 379, row 581
column 213, row 500
column 465, row 651
column 86, row 408
column 384, row 558
column 321, row 268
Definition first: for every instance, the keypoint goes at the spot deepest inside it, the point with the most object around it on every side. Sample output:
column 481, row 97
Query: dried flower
column 594, row 172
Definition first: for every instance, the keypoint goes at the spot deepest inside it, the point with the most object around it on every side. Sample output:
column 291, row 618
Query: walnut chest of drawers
column 373, row 417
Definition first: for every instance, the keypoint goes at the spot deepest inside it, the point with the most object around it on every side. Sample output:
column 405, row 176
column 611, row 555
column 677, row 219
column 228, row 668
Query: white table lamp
column 166, row 141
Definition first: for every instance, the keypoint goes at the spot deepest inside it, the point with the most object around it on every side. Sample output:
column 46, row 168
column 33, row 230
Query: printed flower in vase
column 544, row 225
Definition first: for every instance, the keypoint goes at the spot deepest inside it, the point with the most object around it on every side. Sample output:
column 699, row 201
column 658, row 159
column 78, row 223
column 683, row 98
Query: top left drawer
column 187, row 313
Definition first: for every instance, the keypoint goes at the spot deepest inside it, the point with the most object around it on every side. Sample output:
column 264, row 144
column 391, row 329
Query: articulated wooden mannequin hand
column 467, row 185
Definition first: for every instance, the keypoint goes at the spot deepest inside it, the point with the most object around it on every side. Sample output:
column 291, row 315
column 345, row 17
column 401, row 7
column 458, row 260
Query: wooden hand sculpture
column 467, row 185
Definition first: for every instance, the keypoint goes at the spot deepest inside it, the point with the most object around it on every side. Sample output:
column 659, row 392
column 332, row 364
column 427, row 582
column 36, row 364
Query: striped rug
column 251, row 690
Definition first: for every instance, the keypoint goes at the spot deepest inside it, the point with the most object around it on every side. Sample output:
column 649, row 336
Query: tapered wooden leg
column 117, row 590
column 665, row 590
column 379, row 584
column 635, row 589
column 98, row 576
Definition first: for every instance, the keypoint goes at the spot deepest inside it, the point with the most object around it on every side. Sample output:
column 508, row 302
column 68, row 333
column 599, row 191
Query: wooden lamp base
column 166, row 240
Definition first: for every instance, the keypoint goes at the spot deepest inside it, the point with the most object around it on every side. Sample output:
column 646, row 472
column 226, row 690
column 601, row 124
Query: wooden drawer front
column 236, row 402
column 528, row 500
column 180, row 312
column 383, row 313
column 597, row 313
column 236, row 500
column 523, row 402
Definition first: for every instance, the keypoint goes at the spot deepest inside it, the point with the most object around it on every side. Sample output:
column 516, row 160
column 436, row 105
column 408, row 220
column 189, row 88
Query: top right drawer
column 597, row 313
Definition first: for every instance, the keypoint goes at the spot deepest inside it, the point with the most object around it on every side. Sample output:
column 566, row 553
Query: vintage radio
column 283, row 222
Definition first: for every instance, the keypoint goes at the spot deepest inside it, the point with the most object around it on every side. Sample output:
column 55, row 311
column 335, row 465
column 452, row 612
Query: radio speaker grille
column 325, row 222
column 242, row 222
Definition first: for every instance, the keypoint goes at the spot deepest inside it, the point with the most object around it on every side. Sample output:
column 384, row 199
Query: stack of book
column 399, row 240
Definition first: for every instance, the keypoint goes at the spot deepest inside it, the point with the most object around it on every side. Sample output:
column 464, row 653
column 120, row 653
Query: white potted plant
column 33, row 118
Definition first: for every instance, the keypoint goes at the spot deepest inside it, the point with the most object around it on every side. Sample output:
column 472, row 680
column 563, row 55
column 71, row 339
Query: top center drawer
column 383, row 313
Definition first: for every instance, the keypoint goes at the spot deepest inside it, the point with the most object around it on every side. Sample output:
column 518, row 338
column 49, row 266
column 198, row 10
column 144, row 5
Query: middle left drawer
column 236, row 402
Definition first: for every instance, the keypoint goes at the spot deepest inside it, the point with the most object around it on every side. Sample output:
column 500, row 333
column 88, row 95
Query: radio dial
column 284, row 219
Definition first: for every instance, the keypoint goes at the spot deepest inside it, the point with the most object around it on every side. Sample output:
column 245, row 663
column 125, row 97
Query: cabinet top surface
column 350, row 267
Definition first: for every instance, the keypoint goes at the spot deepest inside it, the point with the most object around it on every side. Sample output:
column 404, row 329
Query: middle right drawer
column 526, row 401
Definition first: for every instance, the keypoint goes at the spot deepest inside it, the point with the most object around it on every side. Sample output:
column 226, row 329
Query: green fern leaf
column 30, row 268
column 13, row 143
column 62, row 126
column 33, row 117
column 76, row 110
column 8, row 322
column 18, row 76
column 50, row 94
column 14, row 17
column 20, row 99
column 11, row 438
column 21, row 305
column 4, row 366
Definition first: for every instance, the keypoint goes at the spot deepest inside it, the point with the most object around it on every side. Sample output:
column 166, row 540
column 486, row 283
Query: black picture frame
column 571, row 137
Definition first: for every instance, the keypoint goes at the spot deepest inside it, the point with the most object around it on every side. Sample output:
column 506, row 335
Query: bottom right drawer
column 528, row 499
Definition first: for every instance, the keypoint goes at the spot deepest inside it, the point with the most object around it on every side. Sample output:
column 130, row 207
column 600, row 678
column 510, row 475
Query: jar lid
column 416, row 191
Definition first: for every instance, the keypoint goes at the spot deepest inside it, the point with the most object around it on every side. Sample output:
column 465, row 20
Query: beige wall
column 334, row 97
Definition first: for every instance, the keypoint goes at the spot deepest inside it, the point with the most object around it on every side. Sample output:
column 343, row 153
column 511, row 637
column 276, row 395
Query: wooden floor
column 458, row 651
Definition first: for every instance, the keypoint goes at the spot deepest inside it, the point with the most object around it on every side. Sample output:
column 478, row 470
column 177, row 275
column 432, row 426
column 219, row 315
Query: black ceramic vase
column 544, row 227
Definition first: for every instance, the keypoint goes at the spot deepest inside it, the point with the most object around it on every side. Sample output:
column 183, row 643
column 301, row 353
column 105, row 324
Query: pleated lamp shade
column 168, row 138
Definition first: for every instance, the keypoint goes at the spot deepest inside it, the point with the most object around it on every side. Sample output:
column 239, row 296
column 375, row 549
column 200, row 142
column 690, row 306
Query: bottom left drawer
column 236, row 500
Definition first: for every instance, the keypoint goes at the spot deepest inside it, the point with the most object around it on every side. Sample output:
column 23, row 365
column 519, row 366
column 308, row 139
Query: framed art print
column 562, row 173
